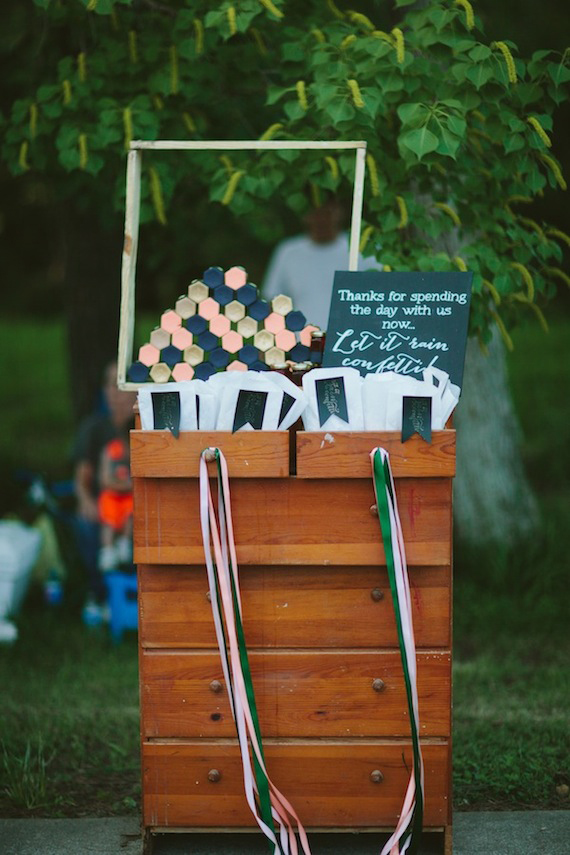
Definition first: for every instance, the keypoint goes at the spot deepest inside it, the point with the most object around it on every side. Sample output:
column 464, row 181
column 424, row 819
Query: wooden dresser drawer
column 294, row 521
column 299, row 694
column 294, row 607
column 346, row 454
column 249, row 454
column 330, row 784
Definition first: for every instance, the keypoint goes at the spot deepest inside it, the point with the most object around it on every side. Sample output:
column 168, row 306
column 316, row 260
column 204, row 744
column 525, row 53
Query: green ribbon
column 384, row 494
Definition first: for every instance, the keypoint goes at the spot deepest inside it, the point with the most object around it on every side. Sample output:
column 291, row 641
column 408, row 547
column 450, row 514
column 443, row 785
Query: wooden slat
column 317, row 607
column 347, row 455
column 298, row 694
column 328, row 784
column 249, row 454
column 294, row 521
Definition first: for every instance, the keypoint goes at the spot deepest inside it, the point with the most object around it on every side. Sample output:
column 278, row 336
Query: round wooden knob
column 378, row 685
column 209, row 455
column 376, row 776
column 377, row 594
column 214, row 776
column 216, row 687
column 374, row 510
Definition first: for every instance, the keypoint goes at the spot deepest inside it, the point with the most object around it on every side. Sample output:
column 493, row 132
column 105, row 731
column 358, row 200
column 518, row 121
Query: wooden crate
column 319, row 624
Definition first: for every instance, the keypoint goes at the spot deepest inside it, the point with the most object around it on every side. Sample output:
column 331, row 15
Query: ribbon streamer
column 406, row 837
column 267, row 804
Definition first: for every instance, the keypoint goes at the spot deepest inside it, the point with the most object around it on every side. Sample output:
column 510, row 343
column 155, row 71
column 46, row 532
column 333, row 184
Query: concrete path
column 510, row 833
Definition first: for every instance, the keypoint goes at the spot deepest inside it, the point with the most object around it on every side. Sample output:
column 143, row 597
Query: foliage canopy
column 459, row 130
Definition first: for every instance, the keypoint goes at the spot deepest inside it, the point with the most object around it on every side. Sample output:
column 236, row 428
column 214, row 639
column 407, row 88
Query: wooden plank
column 129, row 264
column 329, row 784
column 357, row 199
column 294, row 521
column 346, row 454
column 247, row 145
column 249, row 454
column 317, row 607
column 298, row 694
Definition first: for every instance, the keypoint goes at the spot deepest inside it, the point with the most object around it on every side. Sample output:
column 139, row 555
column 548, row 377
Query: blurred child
column 115, row 506
column 95, row 433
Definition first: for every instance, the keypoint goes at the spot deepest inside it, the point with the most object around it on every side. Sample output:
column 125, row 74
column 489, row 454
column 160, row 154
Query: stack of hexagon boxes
column 222, row 324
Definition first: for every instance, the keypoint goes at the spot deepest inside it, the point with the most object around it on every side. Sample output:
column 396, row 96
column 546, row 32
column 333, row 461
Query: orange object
column 115, row 508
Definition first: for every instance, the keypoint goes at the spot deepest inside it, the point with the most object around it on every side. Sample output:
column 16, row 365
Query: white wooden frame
column 132, row 216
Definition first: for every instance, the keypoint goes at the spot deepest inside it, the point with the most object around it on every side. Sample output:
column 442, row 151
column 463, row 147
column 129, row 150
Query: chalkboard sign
column 402, row 322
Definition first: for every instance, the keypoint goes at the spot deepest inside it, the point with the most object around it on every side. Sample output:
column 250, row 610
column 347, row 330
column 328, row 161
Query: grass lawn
column 69, row 714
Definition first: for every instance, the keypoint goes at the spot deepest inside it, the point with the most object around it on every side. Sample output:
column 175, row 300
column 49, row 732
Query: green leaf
column 457, row 125
column 479, row 74
column 513, row 142
column 340, row 110
column 448, row 142
column 459, row 44
column 515, row 124
column 274, row 93
column 440, row 17
column 293, row 110
column 479, row 53
column 529, row 93
column 46, row 93
column 420, row 141
column 294, row 51
column 393, row 83
column 558, row 73
column 459, row 71
column 413, row 115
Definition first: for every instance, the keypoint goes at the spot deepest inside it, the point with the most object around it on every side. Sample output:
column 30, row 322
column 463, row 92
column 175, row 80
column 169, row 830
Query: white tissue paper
column 293, row 402
column 404, row 387
column 251, row 402
column 155, row 417
column 383, row 398
column 447, row 394
column 375, row 393
column 333, row 399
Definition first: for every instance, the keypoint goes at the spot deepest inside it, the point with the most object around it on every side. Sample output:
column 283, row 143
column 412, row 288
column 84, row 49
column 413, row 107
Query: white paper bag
column 293, row 402
column 375, row 393
column 251, row 403
column 155, row 415
column 333, row 399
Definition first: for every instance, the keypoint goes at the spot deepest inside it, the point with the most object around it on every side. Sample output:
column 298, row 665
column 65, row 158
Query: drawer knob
column 378, row 685
column 377, row 594
column 216, row 687
column 376, row 776
column 214, row 776
column 374, row 510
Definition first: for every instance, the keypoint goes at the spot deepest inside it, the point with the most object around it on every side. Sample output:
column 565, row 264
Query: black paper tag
column 286, row 404
column 166, row 411
column 331, row 399
column 198, row 411
column 250, row 409
column 416, row 417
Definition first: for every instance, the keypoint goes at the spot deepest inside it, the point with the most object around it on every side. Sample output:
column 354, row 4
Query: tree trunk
column 92, row 306
column 493, row 500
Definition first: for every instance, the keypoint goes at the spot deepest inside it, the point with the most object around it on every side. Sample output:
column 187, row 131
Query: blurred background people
column 303, row 267
column 94, row 472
